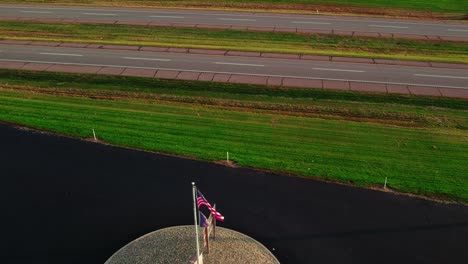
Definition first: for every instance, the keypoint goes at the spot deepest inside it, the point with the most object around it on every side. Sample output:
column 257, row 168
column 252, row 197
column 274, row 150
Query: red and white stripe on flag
column 202, row 201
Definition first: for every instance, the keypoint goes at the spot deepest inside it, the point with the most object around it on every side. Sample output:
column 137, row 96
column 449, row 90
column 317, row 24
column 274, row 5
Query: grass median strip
column 239, row 40
column 419, row 143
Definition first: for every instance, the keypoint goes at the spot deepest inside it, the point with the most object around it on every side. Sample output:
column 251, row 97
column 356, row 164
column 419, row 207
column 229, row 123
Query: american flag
column 202, row 201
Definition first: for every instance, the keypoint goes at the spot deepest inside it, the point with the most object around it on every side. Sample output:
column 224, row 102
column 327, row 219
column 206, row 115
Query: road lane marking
column 237, row 19
column 458, row 30
column 310, row 22
column 168, row 16
column 383, row 26
column 340, row 70
column 37, row 12
column 239, row 73
column 148, row 59
column 99, row 14
column 61, row 54
column 441, row 76
column 239, row 64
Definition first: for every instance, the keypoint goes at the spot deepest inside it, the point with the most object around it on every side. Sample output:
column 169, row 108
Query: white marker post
column 385, row 184
column 94, row 135
column 196, row 223
column 227, row 156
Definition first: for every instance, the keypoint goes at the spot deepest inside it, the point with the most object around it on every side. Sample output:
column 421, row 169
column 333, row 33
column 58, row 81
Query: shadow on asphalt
column 68, row 201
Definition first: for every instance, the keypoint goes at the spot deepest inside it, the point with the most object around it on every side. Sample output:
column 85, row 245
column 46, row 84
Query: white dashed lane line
column 384, row 26
column 61, row 54
column 36, row 12
column 458, row 30
column 442, row 76
column 237, row 19
column 340, row 70
column 167, row 16
column 147, row 59
column 239, row 64
column 99, row 14
column 310, row 22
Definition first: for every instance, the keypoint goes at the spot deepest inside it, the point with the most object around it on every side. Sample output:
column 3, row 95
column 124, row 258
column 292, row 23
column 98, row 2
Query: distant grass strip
column 239, row 40
column 157, row 115
column 445, row 6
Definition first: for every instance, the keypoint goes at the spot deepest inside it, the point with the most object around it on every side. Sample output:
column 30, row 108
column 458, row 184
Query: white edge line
column 148, row 59
column 441, row 76
column 61, row 54
column 340, row 70
column 239, row 64
column 240, row 73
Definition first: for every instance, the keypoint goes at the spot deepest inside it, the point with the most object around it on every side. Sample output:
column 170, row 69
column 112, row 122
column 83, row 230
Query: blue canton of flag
column 203, row 221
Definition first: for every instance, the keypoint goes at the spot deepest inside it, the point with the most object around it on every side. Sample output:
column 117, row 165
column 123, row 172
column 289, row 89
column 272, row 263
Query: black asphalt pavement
column 347, row 23
column 254, row 66
column 67, row 201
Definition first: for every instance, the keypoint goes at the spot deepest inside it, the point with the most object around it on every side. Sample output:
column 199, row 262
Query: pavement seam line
column 440, row 92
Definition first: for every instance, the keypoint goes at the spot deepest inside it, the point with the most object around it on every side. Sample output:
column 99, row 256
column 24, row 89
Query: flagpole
column 195, row 218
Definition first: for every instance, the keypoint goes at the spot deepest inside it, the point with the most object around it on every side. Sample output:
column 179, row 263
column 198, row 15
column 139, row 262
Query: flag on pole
column 203, row 221
column 202, row 201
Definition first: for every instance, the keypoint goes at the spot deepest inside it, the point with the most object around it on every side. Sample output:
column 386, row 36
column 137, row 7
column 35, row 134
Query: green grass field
column 419, row 143
column 446, row 6
column 239, row 40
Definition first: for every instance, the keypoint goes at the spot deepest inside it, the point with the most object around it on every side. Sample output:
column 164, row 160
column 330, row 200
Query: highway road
column 306, row 69
column 216, row 18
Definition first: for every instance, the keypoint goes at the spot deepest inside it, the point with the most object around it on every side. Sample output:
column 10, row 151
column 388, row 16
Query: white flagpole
column 196, row 223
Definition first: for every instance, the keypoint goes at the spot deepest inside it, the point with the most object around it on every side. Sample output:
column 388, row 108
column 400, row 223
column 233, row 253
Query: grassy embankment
column 239, row 40
column 419, row 143
column 385, row 7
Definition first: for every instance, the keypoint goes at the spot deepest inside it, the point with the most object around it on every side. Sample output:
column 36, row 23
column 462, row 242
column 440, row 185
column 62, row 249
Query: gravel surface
column 176, row 245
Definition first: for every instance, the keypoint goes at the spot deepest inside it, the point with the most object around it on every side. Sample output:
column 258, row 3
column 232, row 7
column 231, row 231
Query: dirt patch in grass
column 228, row 163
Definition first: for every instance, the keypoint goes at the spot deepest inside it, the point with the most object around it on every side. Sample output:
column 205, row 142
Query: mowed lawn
column 450, row 6
column 426, row 159
column 402, row 49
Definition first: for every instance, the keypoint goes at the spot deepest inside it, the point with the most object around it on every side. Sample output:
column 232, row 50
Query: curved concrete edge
column 356, row 33
column 237, row 53
column 138, row 239
column 254, row 79
column 266, row 250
